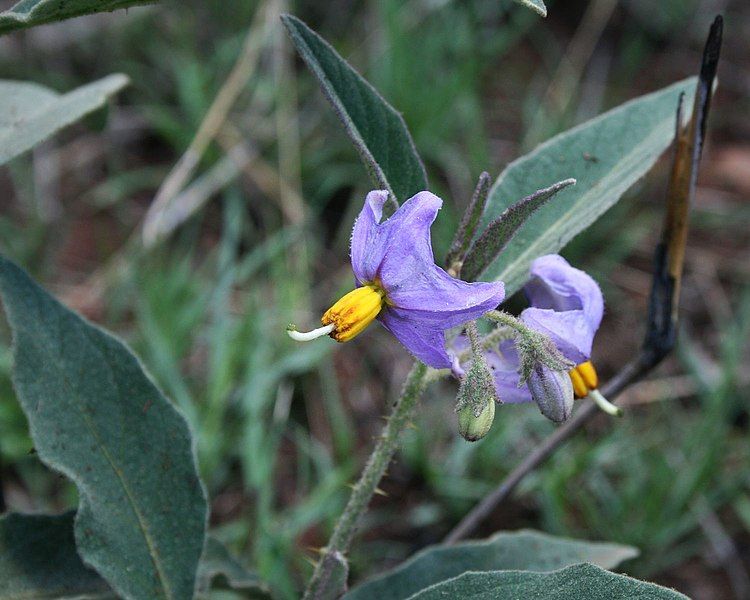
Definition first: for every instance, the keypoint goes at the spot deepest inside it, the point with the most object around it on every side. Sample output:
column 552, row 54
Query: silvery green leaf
column 605, row 155
column 28, row 13
column 30, row 113
column 97, row 417
column 523, row 550
column 579, row 582
column 501, row 231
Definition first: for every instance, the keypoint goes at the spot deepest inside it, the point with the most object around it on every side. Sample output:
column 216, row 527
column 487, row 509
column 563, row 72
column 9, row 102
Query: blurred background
column 256, row 236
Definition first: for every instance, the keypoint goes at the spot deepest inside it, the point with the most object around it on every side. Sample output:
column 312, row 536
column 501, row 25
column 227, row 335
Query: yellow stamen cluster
column 584, row 379
column 354, row 312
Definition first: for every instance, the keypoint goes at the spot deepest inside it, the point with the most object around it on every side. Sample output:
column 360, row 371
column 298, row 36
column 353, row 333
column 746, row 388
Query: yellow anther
column 355, row 311
column 579, row 385
column 584, row 379
column 585, row 384
column 588, row 373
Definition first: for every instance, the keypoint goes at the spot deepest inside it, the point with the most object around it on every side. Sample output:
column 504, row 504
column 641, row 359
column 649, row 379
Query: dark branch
column 664, row 298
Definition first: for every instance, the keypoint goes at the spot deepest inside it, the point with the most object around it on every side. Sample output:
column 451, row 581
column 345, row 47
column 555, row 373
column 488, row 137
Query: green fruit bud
column 474, row 427
column 475, row 402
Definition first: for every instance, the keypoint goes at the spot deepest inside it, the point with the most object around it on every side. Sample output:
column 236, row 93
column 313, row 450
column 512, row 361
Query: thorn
column 380, row 492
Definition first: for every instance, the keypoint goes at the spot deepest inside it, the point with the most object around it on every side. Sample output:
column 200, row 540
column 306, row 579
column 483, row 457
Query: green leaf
column 38, row 559
column 377, row 130
column 501, row 231
column 535, row 5
column 579, row 582
column 96, row 417
column 606, row 156
column 28, row 13
column 30, row 113
column 467, row 228
column 525, row 550
column 219, row 564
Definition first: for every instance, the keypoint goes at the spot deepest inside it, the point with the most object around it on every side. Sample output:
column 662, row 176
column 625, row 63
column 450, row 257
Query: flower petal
column 554, row 284
column 367, row 243
column 432, row 296
column 404, row 243
column 425, row 342
column 397, row 247
column 571, row 331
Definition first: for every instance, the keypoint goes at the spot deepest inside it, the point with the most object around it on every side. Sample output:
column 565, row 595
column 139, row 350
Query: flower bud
column 475, row 403
column 473, row 427
column 552, row 391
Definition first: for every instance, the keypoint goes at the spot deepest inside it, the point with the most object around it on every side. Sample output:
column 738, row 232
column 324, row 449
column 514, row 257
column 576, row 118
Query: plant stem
column 508, row 320
column 319, row 588
column 474, row 339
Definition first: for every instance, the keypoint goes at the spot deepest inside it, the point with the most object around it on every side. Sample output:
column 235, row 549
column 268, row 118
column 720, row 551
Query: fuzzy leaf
column 28, row 13
column 523, row 550
column 605, row 155
column 578, row 582
column 376, row 129
column 535, row 5
column 500, row 232
column 469, row 222
column 95, row 416
column 30, row 113
column 38, row 559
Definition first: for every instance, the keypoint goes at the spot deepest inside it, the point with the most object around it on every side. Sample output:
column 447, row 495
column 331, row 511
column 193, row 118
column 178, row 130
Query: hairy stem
column 319, row 587
column 508, row 320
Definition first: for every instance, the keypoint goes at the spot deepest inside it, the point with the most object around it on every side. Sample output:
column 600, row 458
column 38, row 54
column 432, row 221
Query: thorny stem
column 363, row 491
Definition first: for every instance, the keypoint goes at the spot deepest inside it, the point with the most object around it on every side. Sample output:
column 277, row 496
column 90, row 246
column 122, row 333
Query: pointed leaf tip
column 377, row 130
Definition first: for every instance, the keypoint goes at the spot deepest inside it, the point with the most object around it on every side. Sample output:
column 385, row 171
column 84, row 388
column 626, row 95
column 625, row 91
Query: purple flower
column 566, row 305
column 400, row 284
